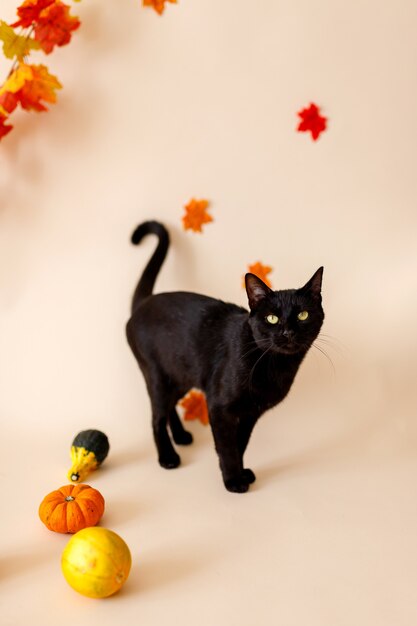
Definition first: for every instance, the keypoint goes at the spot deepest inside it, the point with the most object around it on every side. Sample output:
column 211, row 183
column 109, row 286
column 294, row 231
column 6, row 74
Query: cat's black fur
column 244, row 364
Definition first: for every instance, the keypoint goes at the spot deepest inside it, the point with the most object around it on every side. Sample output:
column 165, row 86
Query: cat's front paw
column 249, row 476
column 237, row 485
column 169, row 461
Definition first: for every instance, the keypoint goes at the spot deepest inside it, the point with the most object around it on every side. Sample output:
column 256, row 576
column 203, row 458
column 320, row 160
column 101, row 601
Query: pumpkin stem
column 69, row 498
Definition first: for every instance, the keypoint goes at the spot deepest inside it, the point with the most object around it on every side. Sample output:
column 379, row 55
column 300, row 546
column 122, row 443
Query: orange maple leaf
column 196, row 215
column 4, row 128
column 8, row 101
column 195, row 406
column 158, row 5
column 260, row 271
column 54, row 25
column 41, row 86
column 29, row 11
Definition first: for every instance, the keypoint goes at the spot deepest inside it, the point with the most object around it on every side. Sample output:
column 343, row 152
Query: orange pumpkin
column 71, row 508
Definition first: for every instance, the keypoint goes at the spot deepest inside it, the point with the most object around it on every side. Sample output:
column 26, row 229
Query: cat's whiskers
column 320, row 349
column 256, row 346
column 333, row 342
column 251, row 373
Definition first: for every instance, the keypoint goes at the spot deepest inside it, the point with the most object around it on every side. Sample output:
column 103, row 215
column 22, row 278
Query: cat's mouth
column 288, row 348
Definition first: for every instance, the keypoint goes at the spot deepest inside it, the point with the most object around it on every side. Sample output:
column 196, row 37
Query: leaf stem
column 16, row 61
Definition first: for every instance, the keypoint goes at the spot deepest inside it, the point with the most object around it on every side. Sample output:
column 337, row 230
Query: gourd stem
column 69, row 498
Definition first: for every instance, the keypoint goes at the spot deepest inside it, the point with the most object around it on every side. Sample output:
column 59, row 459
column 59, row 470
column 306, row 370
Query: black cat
column 245, row 362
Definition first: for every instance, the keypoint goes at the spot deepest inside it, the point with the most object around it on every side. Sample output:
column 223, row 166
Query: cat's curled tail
column 147, row 280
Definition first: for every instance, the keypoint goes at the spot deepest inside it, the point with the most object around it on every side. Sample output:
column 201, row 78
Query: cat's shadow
column 137, row 454
column 341, row 448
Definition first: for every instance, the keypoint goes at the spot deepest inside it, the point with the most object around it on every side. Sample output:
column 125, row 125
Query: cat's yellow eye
column 272, row 319
column 303, row 316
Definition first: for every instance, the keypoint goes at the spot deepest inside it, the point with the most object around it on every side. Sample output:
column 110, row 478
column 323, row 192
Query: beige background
column 202, row 102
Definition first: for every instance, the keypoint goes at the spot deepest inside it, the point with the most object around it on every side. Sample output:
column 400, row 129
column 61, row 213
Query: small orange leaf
column 54, row 26
column 158, row 5
column 261, row 272
column 196, row 215
column 41, row 86
column 195, row 406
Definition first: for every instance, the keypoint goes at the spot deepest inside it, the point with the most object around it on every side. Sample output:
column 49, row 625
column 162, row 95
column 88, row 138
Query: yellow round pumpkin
column 71, row 508
column 96, row 562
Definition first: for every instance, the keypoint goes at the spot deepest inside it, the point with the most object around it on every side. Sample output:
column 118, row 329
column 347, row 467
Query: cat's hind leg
column 180, row 435
column 163, row 403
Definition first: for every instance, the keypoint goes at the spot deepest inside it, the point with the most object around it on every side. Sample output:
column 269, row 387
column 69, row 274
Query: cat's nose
column 288, row 334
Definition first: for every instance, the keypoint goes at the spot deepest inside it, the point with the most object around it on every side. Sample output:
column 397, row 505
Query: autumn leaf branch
column 43, row 24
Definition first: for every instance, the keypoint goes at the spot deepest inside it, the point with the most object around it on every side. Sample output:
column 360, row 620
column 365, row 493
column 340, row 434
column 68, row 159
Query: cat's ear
column 313, row 286
column 256, row 290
